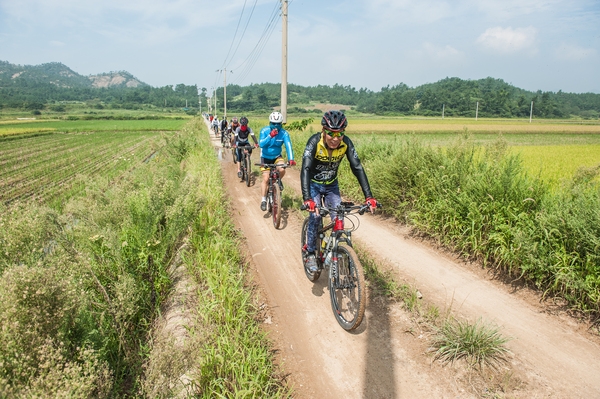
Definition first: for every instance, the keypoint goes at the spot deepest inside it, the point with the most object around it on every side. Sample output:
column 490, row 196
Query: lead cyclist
column 319, row 175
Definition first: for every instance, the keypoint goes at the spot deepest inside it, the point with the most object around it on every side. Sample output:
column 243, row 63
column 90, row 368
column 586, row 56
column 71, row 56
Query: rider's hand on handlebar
column 310, row 205
column 292, row 163
column 372, row 203
column 256, row 145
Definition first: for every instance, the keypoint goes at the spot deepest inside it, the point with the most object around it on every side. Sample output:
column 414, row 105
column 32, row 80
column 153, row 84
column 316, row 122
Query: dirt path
column 387, row 357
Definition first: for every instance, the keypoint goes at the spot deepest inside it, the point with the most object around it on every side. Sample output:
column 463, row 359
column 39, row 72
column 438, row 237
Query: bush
column 479, row 202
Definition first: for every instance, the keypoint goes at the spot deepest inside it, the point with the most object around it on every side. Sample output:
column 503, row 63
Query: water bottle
column 328, row 259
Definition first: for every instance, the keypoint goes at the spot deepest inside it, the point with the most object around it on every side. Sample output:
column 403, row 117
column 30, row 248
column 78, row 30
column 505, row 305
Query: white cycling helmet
column 276, row 117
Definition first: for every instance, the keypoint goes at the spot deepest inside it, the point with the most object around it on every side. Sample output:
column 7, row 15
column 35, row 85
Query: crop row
column 45, row 174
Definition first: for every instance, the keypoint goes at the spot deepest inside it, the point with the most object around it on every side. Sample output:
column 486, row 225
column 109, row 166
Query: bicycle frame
column 346, row 278
column 274, row 188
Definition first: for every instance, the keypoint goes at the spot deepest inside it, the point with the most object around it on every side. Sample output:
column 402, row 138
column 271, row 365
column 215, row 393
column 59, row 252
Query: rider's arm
column 357, row 168
column 288, row 145
column 308, row 158
column 265, row 139
column 253, row 136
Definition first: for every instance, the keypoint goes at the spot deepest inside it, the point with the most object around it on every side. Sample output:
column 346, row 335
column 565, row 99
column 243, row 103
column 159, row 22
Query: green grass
column 479, row 344
column 82, row 284
column 10, row 129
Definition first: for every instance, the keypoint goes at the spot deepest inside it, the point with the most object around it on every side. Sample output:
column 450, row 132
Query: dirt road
column 388, row 356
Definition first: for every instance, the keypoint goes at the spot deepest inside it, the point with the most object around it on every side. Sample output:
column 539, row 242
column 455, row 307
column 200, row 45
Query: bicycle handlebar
column 273, row 165
column 344, row 207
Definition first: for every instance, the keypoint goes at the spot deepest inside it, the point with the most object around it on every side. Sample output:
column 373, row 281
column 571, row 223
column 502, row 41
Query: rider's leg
column 316, row 192
column 331, row 197
column 238, row 155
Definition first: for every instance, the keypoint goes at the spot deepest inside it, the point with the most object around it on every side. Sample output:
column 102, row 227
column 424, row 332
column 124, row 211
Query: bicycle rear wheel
column 303, row 246
column 276, row 205
column 247, row 169
column 348, row 296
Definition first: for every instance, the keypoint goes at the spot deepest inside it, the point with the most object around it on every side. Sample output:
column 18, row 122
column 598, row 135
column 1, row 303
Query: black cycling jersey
column 320, row 164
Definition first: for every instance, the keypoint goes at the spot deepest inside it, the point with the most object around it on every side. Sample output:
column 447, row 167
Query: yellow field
column 555, row 162
column 457, row 125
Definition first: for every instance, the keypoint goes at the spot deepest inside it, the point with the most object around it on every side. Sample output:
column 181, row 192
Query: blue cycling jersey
column 272, row 147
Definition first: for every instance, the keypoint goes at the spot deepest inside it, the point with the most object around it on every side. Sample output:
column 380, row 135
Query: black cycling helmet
column 334, row 121
column 243, row 121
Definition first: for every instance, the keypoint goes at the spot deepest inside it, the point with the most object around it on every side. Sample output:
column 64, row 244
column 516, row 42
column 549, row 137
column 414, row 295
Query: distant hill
column 60, row 75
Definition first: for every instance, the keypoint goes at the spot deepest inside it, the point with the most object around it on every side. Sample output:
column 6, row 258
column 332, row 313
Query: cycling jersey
column 242, row 137
column 320, row 164
column 271, row 147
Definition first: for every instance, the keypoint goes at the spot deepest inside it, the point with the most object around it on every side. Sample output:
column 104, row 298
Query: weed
column 479, row 344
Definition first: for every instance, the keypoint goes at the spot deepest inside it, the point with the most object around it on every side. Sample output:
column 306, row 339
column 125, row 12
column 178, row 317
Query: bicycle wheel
column 247, row 169
column 348, row 297
column 303, row 245
column 276, row 205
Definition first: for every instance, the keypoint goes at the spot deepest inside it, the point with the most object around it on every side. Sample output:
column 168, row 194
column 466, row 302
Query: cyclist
column 272, row 139
column 318, row 176
column 215, row 124
column 232, row 126
column 223, row 127
column 240, row 138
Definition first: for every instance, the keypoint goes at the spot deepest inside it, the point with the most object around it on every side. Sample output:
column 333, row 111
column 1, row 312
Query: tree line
column 451, row 96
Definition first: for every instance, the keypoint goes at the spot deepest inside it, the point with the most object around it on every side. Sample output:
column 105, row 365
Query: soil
column 552, row 354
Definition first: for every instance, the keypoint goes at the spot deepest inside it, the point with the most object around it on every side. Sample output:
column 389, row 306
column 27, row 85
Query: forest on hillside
column 51, row 86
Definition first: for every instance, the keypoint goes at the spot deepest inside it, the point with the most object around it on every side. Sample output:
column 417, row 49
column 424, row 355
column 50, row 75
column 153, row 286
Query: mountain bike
column 346, row 280
column 274, row 189
column 245, row 165
column 226, row 139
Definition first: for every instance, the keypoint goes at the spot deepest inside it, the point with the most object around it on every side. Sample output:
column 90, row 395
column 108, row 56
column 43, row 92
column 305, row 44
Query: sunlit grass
column 555, row 162
column 479, row 344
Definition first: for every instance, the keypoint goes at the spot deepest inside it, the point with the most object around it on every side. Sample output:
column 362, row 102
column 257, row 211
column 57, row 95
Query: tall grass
column 479, row 201
column 82, row 284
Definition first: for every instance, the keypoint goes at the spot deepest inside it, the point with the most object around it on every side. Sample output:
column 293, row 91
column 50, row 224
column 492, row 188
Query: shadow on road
column 379, row 367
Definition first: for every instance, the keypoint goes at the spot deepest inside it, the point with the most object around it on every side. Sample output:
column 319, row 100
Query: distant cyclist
column 240, row 138
column 223, row 127
column 319, row 174
column 272, row 139
column 215, row 125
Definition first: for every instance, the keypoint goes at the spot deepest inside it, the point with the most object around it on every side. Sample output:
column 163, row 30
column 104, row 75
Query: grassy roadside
column 82, row 285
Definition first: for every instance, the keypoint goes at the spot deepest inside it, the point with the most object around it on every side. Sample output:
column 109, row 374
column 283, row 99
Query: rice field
column 550, row 149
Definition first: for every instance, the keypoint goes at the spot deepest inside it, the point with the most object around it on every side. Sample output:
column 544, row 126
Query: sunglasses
column 334, row 134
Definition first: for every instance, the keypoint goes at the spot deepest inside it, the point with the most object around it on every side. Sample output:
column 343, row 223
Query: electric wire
column 224, row 66
column 254, row 55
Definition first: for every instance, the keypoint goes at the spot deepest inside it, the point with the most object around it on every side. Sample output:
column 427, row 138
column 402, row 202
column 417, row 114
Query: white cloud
column 442, row 53
column 508, row 40
column 569, row 52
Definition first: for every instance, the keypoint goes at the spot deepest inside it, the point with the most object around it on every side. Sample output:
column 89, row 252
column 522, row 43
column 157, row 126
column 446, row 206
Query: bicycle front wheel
column 347, row 291
column 248, row 169
column 276, row 205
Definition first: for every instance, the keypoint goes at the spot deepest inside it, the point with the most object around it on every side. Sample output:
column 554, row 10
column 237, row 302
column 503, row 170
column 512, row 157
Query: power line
column 259, row 47
column 234, row 36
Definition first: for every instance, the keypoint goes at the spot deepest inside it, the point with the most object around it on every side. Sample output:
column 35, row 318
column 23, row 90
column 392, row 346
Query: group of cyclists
column 321, row 159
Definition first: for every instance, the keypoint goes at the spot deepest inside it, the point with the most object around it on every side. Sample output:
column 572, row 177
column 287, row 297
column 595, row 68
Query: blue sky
column 545, row 45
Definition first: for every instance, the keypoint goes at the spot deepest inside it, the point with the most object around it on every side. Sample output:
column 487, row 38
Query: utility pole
column 284, row 55
column 531, row 112
column 443, row 109
column 224, row 91
column 477, row 110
